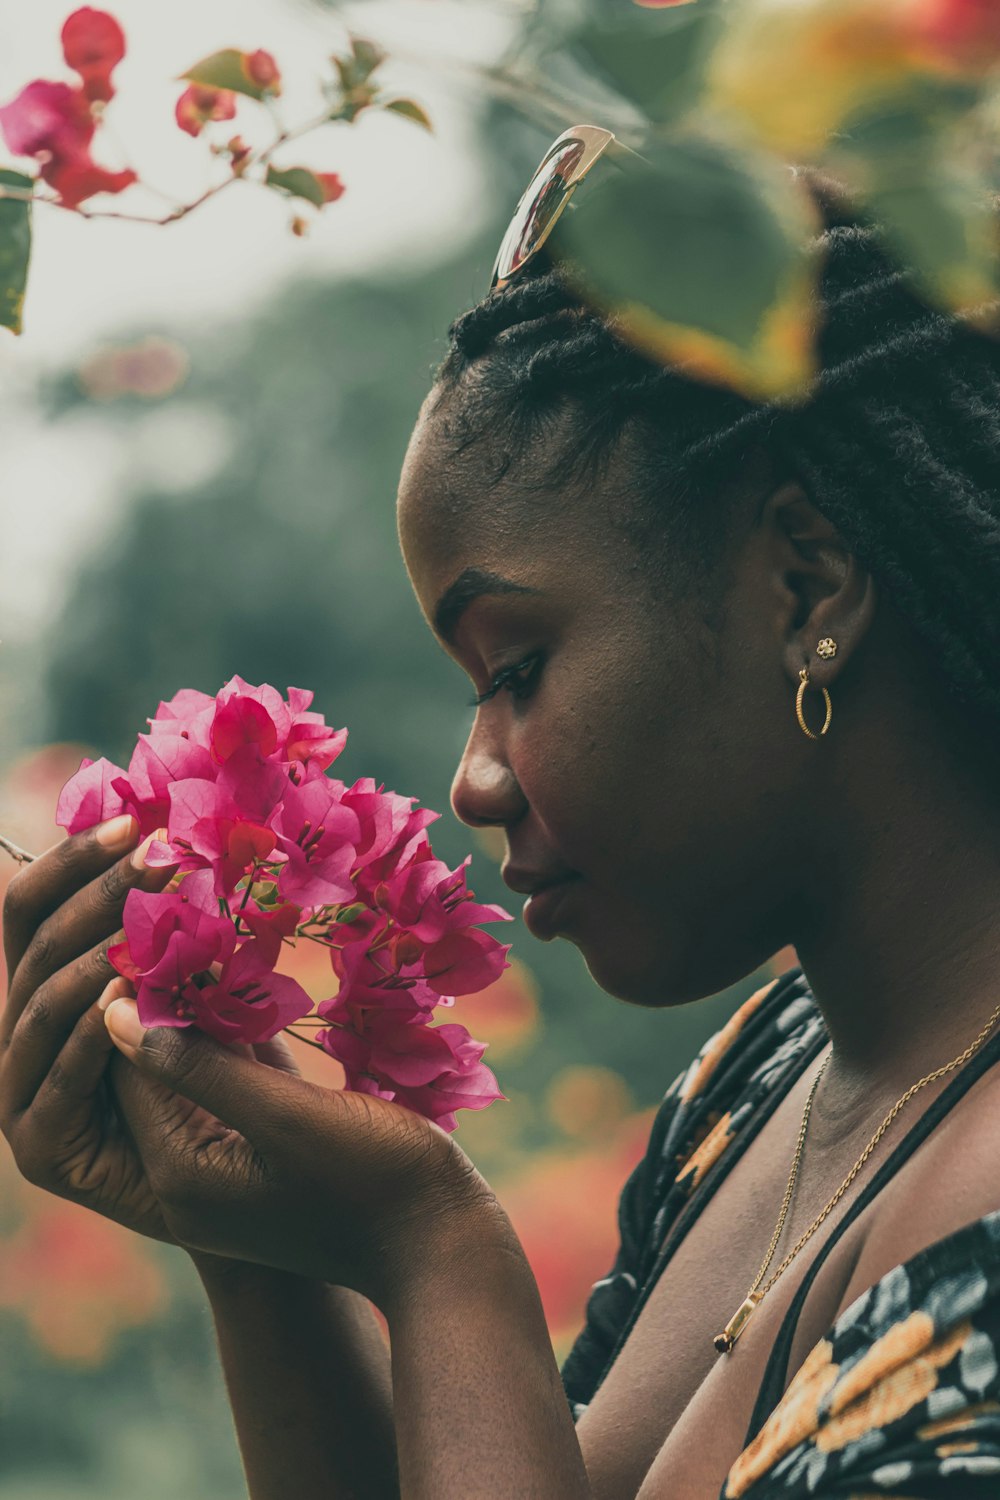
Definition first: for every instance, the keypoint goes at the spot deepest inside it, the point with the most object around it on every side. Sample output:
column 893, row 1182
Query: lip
column 543, row 907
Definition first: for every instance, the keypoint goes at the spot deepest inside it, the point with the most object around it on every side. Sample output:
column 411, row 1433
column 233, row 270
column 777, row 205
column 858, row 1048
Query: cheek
column 603, row 766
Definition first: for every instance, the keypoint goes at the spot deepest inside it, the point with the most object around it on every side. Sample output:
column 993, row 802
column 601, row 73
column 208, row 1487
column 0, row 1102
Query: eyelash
column 508, row 678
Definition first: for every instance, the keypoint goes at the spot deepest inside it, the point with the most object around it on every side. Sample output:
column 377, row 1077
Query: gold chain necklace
column 726, row 1340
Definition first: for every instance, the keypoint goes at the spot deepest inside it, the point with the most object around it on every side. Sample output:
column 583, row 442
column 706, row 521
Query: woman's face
column 635, row 756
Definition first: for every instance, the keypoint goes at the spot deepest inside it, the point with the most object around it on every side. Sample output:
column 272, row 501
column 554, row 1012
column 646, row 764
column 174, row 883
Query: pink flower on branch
column 93, row 46
column 55, row 123
column 262, row 70
column 331, row 185
column 52, row 122
column 198, row 105
column 434, row 1070
column 268, row 850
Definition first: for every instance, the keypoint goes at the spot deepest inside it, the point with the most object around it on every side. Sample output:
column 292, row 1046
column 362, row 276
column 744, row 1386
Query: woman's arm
column 480, row 1407
column 307, row 1370
column 347, row 1188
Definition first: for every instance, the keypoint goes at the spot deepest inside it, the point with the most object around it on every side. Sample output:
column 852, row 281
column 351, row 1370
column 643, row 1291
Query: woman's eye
column 519, row 680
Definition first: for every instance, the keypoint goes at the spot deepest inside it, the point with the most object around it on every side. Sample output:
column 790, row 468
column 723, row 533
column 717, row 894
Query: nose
column 485, row 791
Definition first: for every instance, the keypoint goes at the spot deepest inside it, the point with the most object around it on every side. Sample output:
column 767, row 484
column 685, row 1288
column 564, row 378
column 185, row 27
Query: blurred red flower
column 93, row 46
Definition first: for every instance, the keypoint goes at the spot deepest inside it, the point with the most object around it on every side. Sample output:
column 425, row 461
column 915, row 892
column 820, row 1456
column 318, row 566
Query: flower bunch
column 268, row 850
column 55, row 122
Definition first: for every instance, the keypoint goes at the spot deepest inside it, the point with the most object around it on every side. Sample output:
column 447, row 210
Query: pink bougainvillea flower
column 48, row 119
column 430, row 900
column 317, row 833
column 261, row 69
column 463, row 963
column 53, row 123
column 198, row 105
column 331, row 184
column 75, row 181
column 100, row 790
column 227, row 823
column 271, row 928
column 432, row 1069
column 169, row 939
column 89, row 797
column 391, row 829
column 187, row 969
column 155, row 765
column 284, row 732
column 370, row 979
column 247, row 1002
column 267, row 849
column 183, row 711
column 93, row 46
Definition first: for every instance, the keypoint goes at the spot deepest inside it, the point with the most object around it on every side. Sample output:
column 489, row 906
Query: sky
column 408, row 193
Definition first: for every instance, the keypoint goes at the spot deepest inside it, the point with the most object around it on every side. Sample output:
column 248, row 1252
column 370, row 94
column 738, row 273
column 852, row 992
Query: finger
column 39, row 889
column 63, row 1108
column 277, row 1054
column 46, row 1024
column 86, row 917
column 149, row 1112
column 241, row 1093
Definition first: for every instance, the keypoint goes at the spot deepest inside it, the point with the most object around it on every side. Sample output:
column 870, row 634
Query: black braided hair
column 898, row 444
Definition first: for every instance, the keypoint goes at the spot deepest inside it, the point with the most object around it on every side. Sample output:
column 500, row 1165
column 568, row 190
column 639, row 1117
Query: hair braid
column 898, row 444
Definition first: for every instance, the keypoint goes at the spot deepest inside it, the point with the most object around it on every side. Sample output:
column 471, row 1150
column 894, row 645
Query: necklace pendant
column 725, row 1341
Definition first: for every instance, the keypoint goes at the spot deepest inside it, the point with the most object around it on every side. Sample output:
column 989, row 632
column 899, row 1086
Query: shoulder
column 949, row 1184
column 902, row 1393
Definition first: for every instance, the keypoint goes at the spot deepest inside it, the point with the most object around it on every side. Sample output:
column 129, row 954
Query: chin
column 624, row 976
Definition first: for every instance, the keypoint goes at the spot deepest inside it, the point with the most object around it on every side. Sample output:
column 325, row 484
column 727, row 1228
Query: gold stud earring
column 825, row 648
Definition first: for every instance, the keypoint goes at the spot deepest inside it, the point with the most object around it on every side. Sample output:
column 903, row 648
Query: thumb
column 231, row 1087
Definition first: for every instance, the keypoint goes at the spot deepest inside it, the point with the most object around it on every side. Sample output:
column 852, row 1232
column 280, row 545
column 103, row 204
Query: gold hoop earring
column 803, row 684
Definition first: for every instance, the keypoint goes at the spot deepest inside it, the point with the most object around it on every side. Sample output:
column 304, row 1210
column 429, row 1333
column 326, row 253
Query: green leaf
column 410, row 110
column 703, row 254
column 297, row 181
column 265, row 892
column 15, row 250
column 656, row 58
column 225, row 70
column 356, row 68
column 349, row 914
column 928, row 195
column 367, row 57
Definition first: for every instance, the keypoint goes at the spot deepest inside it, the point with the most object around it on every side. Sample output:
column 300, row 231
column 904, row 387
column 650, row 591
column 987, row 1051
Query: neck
column 901, row 939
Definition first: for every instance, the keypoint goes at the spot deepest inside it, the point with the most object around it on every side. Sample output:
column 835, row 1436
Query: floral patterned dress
column 902, row 1396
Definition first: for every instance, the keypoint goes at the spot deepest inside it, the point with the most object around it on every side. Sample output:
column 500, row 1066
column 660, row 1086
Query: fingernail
column 139, row 857
column 110, row 994
column 118, row 833
column 122, row 1020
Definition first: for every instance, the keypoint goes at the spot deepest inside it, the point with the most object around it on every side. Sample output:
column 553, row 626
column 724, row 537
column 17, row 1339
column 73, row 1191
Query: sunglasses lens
column 545, row 194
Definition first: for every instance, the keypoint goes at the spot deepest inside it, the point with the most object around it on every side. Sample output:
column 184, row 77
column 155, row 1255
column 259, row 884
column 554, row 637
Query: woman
column 735, row 669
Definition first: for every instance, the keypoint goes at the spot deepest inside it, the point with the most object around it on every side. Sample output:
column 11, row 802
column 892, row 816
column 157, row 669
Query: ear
column 823, row 590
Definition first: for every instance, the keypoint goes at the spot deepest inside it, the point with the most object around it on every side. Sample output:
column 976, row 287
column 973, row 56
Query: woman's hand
column 58, row 1109
column 325, row 1183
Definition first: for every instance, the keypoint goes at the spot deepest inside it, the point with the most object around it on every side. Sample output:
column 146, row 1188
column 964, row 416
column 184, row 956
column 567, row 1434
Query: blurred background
column 203, row 427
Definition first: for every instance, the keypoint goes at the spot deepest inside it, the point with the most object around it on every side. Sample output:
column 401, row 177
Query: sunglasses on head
column 562, row 169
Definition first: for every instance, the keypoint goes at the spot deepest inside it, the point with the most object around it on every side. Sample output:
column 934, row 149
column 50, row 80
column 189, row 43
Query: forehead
column 493, row 503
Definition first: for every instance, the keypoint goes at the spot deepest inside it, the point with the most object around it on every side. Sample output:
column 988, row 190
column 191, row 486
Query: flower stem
column 16, row 852
column 305, row 1040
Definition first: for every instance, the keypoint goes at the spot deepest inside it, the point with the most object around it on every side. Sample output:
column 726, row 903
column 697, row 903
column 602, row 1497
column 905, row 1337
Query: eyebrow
column 457, row 597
